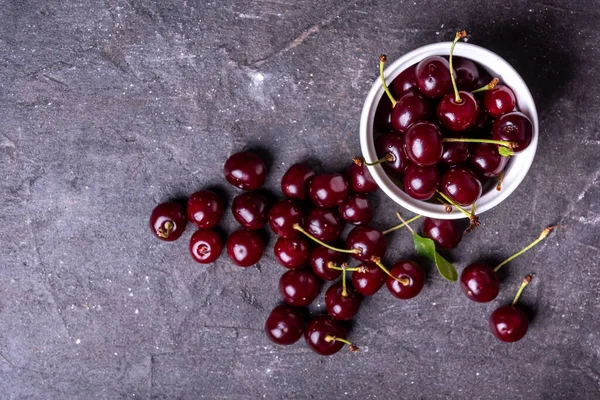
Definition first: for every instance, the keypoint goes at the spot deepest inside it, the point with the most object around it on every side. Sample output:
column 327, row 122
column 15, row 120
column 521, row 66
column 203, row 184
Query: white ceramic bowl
column 517, row 167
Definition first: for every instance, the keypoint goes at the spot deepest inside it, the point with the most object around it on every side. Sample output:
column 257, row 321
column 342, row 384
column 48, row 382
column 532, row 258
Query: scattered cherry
column 245, row 248
column 479, row 282
column 359, row 178
column 339, row 305
column 320, row 258
column 461, row 185
column 285, row 324
column 485, row 159
column 326, row 336
column 292, row 252
column 294, row 183
column 324, row 223
column 368, row 242
column 411, row 273
column 514, row 127
column 205, row 246
column 167, row 221
column 299, row 287
column 423, row 144
column 498, row 101
column 250, row 210
column 444, row 232
column 328, row 190
column 282, row 217
column 509, row 323
column 356, row 209
column 433, row 76
column 421, row 182
column 205, row 209
column 368, row 279
column 245, row 170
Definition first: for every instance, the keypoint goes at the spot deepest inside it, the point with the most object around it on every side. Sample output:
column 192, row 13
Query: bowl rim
column 519, row 164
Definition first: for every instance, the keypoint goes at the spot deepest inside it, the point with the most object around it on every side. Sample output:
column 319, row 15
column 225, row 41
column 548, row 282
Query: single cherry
column 245, row 248
column 421, row 182
column 294, row 183
column 368, row 279
column 285, row 324
column 514, row 127
column 366, row 242
column 292, row 252
column 205, row 246
column 454, row 152
column 167, row 221
column 320, row 258
column 392, row 143
column 467, row 74
column 444, row 232
column 509, row 323
column 282, row 217
column 324, row 223
column 250, row 210
column 461, row 185
column 410, row 108
column 406, row 81
column 423, row 144
column 299, row 287
column 498, row 101
column 205, row 209
column 326, row 336
column 356, row 209
column 433, row 76
column 359, row 178
column 328, row 190
column 485, row 159
column 413, row 276
column 245, row 170
column 342, row 304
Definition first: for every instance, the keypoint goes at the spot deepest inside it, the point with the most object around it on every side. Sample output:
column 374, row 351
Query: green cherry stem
column 452, row 202
column 489, row 86
column 360, row 161
column 392, row 229
column 503, row 143
column 331, row 338
column 500, row 179
column 344, row 266
column 377, row 261
column 301, row 230
column 542, row 236
column 344, row 290
column 524, row 284
column 382, row 60
column 459, row 35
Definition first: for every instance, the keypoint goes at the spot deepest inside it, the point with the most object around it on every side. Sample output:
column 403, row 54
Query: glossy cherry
column 285, row 324
column 359, row 178
column 369, row 279
column 444, row 232
column 461, row 185
column 509, row 324
column 320, row 257
column 282, row 217
column 406, row 81
column 328, row 190
column 423, row 144
column 299, row 287
column 245, row 170
column 205, row 209
column 433, row 76
column 250, row 210
column 205, row 246
column 369, row 241
column 326, row 336
column 324, row 223
column 356, row 209
column 485, row 159
column 467, row 74
column 514, row 127
column 292, row 252
column 245, row 248
column 410, row 108
column 168, row 221
column 294, row 183
column 342, row 307
column 479, row 282
column 421, row 182
column 410, row 271
column 454, row 153
column 393, row 144
column 498, row 101
column 456, row 115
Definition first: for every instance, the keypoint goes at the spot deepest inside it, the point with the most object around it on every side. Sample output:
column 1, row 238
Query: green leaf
column 426, row 248
column 505, row 151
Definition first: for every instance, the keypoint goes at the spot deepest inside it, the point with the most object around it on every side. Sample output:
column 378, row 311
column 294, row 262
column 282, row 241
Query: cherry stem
column 542, row 236
column 165, row 234
column 331, row 338
column 459, row 35
column 489, row 86
column 504, row 143
column 449, row 200
column 382, row 60
column 377, row 261
column 300, row 229
column 447, row 207
column 344, row 267
column 392, row 229
column 405, row 223
column 344, row 290
column 500, row 179
column 360, row 161
column 524, row 284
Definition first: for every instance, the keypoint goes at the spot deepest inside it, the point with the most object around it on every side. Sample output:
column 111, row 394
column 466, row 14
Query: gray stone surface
column 110, row 107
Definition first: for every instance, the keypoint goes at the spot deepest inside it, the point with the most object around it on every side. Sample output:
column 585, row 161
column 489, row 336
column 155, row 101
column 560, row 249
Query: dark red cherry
column 484, row 79
column 285, row 324
column 406, row 81
column 292, row 252
column 458, row 116
column 461, row 185
column 319, row 331
column 356, row 209
column 368, row 240
column 294, row 183
column 514, row 127
column 479, row 282
column 328, row 190
column 205, row 209
column 454, row 152
column 410, row 108
column 369, row 279
column 486, row 160
column 481, row 123
column 299, row 287
column 444, row 232
column 498, row 101
column 282, row 217
column 250, row 210
column 410, row 270
column 167, row 221
column 245, row 248
column 324, row 223
column 205, row 246
column 423, row 144
column 467, row 74
column 383, row 115
column 421, row 182
column 342, row 307
column 320, row 257
column 392, row 143
column 433, row 76
column 245, row 170
column 360, row 179
column 509, row 324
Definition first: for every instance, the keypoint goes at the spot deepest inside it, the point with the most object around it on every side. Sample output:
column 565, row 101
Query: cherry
column 461, row 186
column 486, row 160
column 294, row 183
column 433, row 76
column 411, row 279
column 498, row 101
column 406, row 81
column 250, row 210
column 467, row 74
column 367, row 243
column 342, row 304
column 282, row 217
column 299, row 287
column 205, row 246
column 285, row 324
column 245, row 248
column 205, row 209
column 479, row 282
column 326, row 336
column 320, row 258
column 292, row 252
column 410, row 108
column 514, row 127
column 167, row 221
column 245, row 170
column 324, row 223
column 328, row 190
column 421, row 182
column 484, row 78
column 423, row 144
column 481, row 123
column 359, row 178
column 356, row 209
column 368, row 279
column 509, row 323
column 444, row 232
column 392, row 143
column 454, row 152
column 383, row 115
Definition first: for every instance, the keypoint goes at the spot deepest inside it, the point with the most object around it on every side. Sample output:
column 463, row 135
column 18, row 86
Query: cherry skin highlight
column 328, row 190
column 245, row 170
column 283, row 216
column 205, row 246
column 433, row 76
column 285, row 324
column 423, row 144
column 299, row 287
column 320, row 258
column 498, row 101
column 369, row 241
column 294, row 183
column 250, row 210
column 356, row 209
column 342, row 307
column 421, row 182
column 168, row 221
column 514, row 127
column 360, row 179
column 467, row 74
column 461, row 185
column 408, row 270
column 205, row 209
column 392, row 143
column 292, row 252
column 509, row 324
column 324, row 223
column 245, row 248
column 485, row 160
column 479, row 282
column 458, row 116
column 410, row 108
column 445, row 233
column 318, row 329
column 369, row 281
column 406, row 81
